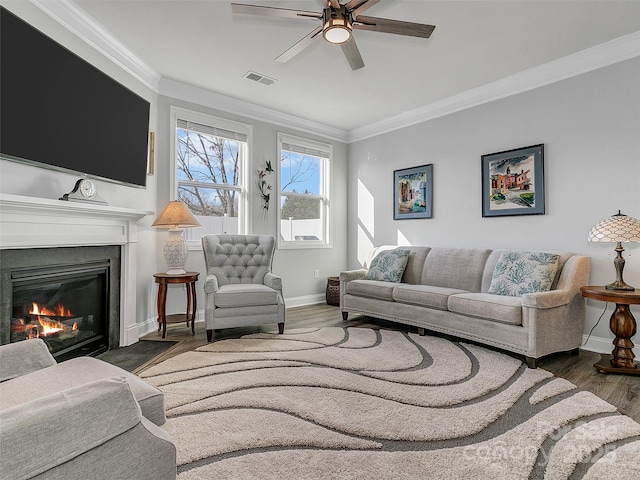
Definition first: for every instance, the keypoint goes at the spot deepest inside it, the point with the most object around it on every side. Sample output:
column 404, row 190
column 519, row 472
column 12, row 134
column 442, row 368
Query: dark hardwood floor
column 623, row 391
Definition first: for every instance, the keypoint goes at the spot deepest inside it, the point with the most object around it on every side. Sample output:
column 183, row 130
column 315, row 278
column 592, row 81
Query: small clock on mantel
column 84, row 191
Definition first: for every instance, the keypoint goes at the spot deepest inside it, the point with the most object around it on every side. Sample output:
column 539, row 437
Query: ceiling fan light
column 337, row 30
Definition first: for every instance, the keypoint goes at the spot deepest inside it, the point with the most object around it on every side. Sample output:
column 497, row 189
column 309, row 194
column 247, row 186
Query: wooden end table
column 622, row 324
column 164, row 279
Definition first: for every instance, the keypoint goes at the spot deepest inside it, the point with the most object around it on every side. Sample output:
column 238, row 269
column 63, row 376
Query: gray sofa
column 446, row 290
column 82, row 418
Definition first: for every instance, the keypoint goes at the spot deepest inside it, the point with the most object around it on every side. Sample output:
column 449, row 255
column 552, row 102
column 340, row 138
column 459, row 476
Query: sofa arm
column 273, row 281
column 550, row 299
column 211, row 284
column 346, row 277
column 49, row 431
column 20, row 358
column 350, row 275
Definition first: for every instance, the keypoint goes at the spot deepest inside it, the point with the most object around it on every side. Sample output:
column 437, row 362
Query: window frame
column 223, row 124
column 324, row 197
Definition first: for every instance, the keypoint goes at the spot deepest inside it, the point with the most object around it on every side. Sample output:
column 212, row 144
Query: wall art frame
column 413, row 192
column 513, row 182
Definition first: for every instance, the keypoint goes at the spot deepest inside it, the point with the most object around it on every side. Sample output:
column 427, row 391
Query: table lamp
column 175, row 216
column 617, row 228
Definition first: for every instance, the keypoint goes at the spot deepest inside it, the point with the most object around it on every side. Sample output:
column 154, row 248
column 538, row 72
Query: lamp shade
column 176, row 215
column 618, row 228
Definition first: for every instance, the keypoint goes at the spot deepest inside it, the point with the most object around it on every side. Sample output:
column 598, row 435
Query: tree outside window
column 209, row 163
column 304, row 205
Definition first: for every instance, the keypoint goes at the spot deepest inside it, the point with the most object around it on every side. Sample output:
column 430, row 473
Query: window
column 210, row 155
column 303, row 192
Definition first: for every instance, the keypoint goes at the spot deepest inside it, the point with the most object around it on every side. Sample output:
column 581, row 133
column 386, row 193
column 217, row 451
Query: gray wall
column 590, row 126
column 295, row 266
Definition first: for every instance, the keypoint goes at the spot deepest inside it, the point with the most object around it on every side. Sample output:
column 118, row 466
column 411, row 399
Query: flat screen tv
column 60, row 112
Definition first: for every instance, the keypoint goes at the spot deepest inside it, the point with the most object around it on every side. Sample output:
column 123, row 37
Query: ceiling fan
column 338, row 21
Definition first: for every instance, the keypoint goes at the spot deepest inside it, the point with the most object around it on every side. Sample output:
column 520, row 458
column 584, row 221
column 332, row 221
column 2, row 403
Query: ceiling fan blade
column 352, row 53
column 274, row 12
column 393, row 26
column 335, row 4
column 356, row 7
column 298, row 47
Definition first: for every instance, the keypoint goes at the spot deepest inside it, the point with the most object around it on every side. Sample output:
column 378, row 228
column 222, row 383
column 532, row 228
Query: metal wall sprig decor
column 264, row 188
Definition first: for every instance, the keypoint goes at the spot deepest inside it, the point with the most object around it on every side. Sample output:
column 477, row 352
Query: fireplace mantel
column 32, row 222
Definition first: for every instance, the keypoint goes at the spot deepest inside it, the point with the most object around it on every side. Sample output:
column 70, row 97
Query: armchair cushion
column 237, row 294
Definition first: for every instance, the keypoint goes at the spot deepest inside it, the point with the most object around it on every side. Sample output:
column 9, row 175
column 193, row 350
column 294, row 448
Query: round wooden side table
column 622, row 324
column 164, row 279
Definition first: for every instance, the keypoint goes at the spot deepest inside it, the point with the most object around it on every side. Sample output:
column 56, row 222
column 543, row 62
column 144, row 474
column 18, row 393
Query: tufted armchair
column 240, row 289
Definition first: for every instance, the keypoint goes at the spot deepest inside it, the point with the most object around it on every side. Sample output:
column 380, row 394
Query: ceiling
column 475, row 42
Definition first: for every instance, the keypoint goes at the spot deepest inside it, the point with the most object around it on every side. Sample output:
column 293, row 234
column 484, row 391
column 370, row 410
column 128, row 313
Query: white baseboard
column 305, row 300
column 595, row 344
column 603, row 345
column 151, row 324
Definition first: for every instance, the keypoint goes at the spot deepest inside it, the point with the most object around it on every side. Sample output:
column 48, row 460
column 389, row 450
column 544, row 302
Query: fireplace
column 68, row 297
column 42, row 225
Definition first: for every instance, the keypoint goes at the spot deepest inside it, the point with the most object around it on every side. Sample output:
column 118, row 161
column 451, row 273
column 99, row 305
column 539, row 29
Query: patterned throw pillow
column 388, row 266
column 517, row 273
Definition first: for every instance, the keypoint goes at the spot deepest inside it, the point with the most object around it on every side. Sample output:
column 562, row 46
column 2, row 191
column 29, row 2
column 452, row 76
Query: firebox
column 64, row 306
column 66, row 296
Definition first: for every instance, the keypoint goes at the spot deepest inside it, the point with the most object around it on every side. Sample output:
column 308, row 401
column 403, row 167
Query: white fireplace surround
column 31, row 222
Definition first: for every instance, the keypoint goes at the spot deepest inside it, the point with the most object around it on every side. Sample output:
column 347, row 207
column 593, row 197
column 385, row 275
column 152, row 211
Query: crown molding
column 76, row 20
column 602, row 55
column 208, row 98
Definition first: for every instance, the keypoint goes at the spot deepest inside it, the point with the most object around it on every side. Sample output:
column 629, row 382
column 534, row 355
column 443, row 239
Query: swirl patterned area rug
column 357, row 403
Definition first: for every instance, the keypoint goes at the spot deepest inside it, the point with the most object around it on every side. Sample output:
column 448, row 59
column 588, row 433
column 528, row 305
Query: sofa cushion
column 498, row 308
column 424, row 295
column 245, row 294
column 459, row 268
column 517, row 273
column 388, row 266
column 371, row 288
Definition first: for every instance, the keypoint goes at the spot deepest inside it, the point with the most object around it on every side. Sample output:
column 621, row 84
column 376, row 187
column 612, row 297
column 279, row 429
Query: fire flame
column 49, row 327
column 59, row 311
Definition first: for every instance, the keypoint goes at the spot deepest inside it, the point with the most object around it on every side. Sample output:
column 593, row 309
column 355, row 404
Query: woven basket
column 333, row 291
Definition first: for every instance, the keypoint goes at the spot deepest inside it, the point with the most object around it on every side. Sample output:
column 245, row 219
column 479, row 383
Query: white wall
column 31, row 181
column 590, row 126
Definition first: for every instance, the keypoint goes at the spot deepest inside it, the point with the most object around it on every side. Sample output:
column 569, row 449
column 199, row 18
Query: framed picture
column 513, row 182
column 151, row 160
column 413, row 192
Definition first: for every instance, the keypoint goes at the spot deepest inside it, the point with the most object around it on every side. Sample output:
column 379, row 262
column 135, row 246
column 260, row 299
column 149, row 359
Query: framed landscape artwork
column 513, row 182
column 413, row 192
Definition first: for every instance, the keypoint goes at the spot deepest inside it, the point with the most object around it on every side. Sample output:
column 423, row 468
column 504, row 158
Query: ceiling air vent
column 256, row 77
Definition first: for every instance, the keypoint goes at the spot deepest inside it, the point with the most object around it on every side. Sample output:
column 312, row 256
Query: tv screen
column 61, row 112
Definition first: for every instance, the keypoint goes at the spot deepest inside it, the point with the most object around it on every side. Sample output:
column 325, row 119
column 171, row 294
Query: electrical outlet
column 316, row 273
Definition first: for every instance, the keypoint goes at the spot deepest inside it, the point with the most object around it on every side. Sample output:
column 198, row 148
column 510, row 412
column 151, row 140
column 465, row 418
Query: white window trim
column 205, row 119
column 326, row 189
